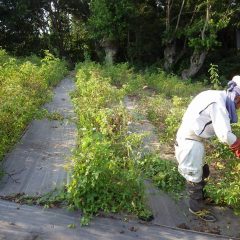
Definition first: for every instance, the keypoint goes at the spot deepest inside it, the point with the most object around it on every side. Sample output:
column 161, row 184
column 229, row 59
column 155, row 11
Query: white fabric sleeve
column 221, row 124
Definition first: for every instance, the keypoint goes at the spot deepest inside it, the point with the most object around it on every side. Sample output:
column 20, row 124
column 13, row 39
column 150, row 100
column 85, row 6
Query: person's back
column 210, row 113
column 197, row 120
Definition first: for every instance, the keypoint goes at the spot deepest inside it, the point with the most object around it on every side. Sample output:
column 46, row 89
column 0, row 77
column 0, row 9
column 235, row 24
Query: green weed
column 223, row 187
column 107, row 171
column 24, row 88
column 214, row 76
column 105, row 176
column 174, row 117
column 164, row 174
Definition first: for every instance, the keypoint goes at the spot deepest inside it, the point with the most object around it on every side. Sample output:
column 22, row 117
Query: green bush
column 156, row 108
column 134, row 82
column 104, row 176
column 24, row 87
column 226, row 178
column 103, row 163
column 164, row 174
column 171, row 85
column 174, row 117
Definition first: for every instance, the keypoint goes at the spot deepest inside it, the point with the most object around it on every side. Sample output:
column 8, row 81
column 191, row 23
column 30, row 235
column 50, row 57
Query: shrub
column 104, row 176
column 226, row 167
column 164, row 174
column 24, row 87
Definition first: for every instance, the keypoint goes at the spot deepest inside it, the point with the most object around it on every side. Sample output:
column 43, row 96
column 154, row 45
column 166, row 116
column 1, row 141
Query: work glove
column 237, row 153
column 235, row 147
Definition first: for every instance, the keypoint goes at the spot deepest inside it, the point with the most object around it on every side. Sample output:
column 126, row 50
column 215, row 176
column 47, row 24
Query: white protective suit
column 205, row 117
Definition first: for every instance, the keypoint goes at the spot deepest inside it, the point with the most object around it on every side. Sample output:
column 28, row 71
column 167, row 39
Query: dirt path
column 166, row 211
column 36, row 164
column 141, row 125
column 21, row 222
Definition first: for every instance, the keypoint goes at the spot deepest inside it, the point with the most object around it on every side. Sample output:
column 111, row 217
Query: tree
column 193, row 24
column 29, row 26
column 20, row 24
column 58, row 21
column 202, row 33
column 174, row 22
column 109, row 24
column 145, row 29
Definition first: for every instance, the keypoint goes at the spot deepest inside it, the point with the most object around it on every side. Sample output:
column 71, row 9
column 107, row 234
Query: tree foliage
column 109, row 19
column 174, row 32
column 20, row 25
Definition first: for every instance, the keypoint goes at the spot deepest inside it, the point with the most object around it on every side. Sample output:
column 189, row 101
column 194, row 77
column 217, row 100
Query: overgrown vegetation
column 165, row 109
column 180, row 36
column 226, row 168
column 24, row 87
column 105, row 175
column 164, row 174
column 164, row 105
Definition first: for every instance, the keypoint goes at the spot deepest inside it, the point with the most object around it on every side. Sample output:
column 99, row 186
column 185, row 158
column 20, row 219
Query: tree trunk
column 198, row 57
column 197, row 60
column 110, row 49
column 110, row 55
column 169, row 55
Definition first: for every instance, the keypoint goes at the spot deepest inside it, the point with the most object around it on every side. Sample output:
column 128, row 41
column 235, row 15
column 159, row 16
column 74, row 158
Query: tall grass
column 164, row 105
column 105, row 176
column 24, row 87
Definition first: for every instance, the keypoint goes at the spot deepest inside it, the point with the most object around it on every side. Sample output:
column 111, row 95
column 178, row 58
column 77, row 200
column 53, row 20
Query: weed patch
column 24, row 88
column 164, row 174
column 224, row 186
column 106, row 170
column 105, row 175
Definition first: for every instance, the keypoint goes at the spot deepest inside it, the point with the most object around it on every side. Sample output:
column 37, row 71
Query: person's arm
column 221, row 124
column 222, row 128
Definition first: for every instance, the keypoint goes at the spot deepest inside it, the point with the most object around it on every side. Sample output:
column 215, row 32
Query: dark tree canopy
column 172, row 34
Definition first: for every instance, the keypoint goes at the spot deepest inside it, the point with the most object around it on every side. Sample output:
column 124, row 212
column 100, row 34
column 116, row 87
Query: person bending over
column 209, row 114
